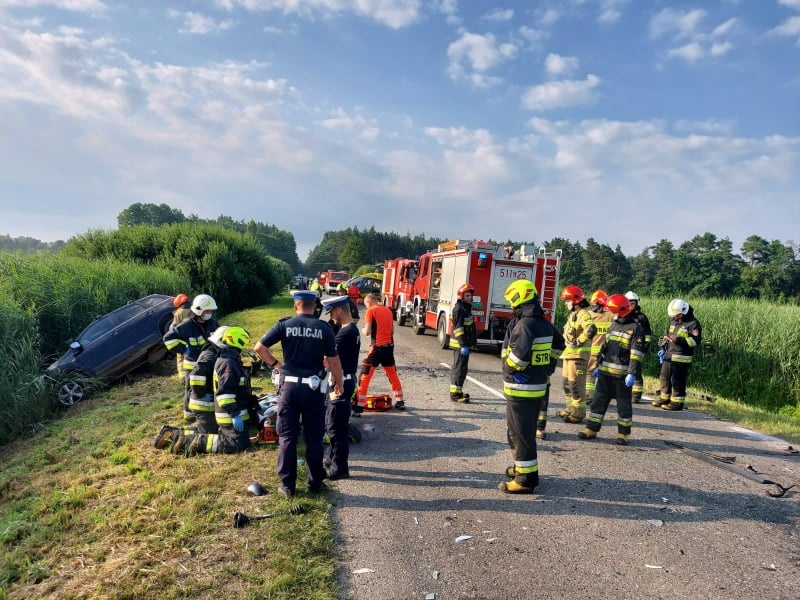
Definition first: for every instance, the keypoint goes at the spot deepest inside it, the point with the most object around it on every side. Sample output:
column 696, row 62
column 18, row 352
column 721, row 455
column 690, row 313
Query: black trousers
column 521, row 422
column 337, row 425
column 298, row 400
column 673, row 380
column 611, row 388
column 458, row 374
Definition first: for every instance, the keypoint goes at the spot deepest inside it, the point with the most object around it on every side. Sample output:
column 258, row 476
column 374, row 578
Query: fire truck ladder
column 552, row 264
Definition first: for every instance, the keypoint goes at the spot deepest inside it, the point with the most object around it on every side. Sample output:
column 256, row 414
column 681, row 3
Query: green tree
column 149, row 214
column 664, row 267
column 706, row 266
column 354, row 254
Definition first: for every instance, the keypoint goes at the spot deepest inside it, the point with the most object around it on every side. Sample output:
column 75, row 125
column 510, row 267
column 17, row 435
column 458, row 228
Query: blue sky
column 628, row 121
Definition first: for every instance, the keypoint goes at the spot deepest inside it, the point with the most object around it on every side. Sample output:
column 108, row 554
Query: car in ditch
column 112, row 346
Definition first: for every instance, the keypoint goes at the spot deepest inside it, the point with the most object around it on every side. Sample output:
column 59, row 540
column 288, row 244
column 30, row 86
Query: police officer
column 341, row 290
column 306, row 342
column 641, row 318
column 462, row 339
column 532, row 349
column 337, row 414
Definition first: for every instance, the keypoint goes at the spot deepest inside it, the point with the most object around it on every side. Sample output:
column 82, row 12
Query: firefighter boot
column 622, row 439
column 178, row 442
column 636, row 398
column 540, row 434
column 587, row 434
column 191, row 445
column 576, row 414
column 673, row 406
column 512, row 487
column 164, row 437
column 659, row 402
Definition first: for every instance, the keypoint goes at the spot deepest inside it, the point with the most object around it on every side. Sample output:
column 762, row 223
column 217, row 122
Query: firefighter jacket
column 201, row 380
column 578, row 332
column 232, row 387
column 645, row 323
column 624, row 349
column 602, row 321
column 688, row 334
column 188, row 338
column 463, row 332
column 531, row 349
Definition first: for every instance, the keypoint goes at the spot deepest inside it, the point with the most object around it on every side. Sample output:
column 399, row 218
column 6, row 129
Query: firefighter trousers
column 521, row 423
column 226, row 441
column 673, row 382
column 541, row 418
column 574, row 372
column 458, row 373
column 611, row 388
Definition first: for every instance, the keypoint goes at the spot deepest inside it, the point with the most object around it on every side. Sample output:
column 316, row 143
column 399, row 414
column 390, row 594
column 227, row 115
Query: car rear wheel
column 70, row 392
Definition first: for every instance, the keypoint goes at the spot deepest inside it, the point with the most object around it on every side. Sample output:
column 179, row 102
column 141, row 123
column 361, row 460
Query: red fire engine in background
column 424, row 291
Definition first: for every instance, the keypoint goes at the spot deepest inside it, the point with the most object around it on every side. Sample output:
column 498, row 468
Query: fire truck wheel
column 399, row 314
column 441, row 332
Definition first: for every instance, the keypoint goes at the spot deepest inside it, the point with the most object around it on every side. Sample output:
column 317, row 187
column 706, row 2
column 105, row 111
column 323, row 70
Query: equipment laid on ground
column 241, row 519
column 374, row 403
column 269, row 412
column 489, row 268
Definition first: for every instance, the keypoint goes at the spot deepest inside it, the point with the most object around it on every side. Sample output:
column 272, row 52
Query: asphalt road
column 421, row 516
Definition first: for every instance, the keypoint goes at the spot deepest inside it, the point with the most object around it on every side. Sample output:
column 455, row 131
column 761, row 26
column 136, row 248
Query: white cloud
column 499, row 14
column 721, row 48
column 670, row 22
column 549, row 17
column 561, row 94
column 725, row 28
column 691, row 52
column 73, row 5
column 534, row 37
column 341, row 120
column 556, row 64
column 472, row 54
column 683, row 26
column 610, row 10
column 790, row 27
column 196, row 23
column 392, row 13
column 790, row 3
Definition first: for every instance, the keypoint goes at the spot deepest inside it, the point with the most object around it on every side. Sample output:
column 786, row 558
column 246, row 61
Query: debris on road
column 462, row 538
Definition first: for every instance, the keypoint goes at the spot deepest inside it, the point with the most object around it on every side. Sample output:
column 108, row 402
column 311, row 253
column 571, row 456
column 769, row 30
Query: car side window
column 96, row 330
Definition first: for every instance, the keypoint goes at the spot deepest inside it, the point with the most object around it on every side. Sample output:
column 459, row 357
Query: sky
column 626, row 121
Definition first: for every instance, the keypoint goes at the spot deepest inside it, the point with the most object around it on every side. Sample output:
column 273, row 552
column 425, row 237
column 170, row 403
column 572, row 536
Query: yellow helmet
column 520, row 292
column 236, row 337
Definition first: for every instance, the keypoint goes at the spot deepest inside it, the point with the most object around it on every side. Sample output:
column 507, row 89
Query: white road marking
column 479, row 384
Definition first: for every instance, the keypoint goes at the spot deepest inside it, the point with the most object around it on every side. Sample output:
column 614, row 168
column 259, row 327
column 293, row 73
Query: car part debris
column 241, row 519
column 256, row 489
column 781, row 491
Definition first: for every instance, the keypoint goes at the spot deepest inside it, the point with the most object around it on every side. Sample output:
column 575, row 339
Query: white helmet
column 677, row 307
column 216, row 337
column 632, row 296
column 202, row 303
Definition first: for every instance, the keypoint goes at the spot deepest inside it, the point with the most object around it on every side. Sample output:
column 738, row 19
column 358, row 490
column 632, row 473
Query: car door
column 104, row 347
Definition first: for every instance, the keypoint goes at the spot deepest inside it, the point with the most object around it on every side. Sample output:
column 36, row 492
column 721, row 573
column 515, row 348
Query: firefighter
column 677, row 346
column 619, row 363
column 189, row 337
column 201, row 383
column 636, row 309
column 306, row 342
column 578, row 333
column 379, row 327
column 532, row 347
column 462, row 339
column 601, row 317
column 183, row 310
column 337, row 414
column 231, row 399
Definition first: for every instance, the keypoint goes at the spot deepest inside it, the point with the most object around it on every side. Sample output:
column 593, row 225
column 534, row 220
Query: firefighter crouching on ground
column 306, row 342
column 533, row 347
column 601, row 317
column 189, row 337
column 641, row 318
column 578, row 332
column 231, row 399
column 183, row 311
column 683, row 335
column 620, row 362
column 462, row 339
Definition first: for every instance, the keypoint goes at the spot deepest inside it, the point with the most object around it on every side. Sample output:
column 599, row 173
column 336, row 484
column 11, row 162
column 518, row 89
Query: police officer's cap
column 304, row 295
column 331, row 303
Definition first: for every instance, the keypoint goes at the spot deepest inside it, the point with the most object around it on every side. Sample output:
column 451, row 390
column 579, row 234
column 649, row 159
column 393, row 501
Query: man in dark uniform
column 641, row 318
column 341, row 290
column 337, row 415
column 462, row 337
column 306, row 342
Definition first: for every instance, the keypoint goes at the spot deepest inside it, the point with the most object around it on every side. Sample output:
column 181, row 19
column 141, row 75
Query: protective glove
column 464, row 351
column 661, row 354
column 238, row 423
column 596, row 373
column 629, row 378
column 520, row 378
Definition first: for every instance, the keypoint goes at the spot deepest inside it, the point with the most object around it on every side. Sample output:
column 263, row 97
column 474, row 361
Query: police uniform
column 337, row 414
column 305, row 341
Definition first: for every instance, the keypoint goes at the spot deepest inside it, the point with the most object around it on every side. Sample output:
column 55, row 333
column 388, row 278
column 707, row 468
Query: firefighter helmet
column 202, row 303
column 464, row 289
column 677, row 307
column 619, row 305
column 519, row 292
column 599, row 297
column 216, row 337
column 572, row 293
column 630, row 295
column 236, row 337
column 179, row 300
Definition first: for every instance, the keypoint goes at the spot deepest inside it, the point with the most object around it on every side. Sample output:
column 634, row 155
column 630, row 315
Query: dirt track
column 642, row 521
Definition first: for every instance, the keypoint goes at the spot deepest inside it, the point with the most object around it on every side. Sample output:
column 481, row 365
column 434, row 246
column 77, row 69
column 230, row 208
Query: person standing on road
column 462, row 339
column 189, row 337
column 379, row 326
column 601, row 317
column 578, row 333
column 620, row 362
column 641, row 318
column 306, row 342
column 683, row 335
column 532, row 349
column 337, row 414
column 341, row 290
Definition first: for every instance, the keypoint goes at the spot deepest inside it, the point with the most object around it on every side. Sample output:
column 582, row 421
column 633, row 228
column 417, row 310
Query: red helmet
column 599, row 297
column 572, row 293
column 464, row 289
column 619, row 305
column 179, row 300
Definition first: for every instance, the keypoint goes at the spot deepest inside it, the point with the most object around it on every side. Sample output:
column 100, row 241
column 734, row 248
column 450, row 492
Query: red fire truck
column 486, row 267
column 397, row 289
